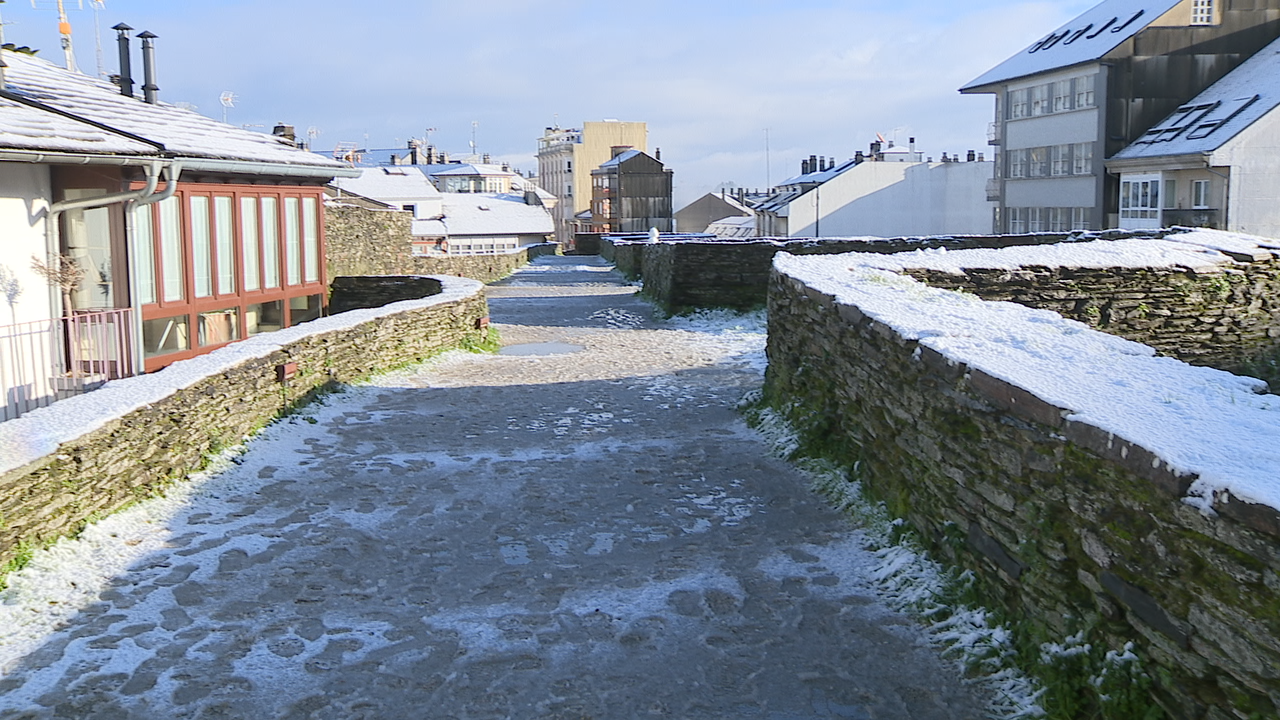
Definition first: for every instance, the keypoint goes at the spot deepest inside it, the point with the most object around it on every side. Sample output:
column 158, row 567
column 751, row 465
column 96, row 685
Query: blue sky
column 709, row 76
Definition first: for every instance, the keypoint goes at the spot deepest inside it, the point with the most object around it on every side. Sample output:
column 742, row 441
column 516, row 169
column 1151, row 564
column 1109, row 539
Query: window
column 292, row 242
column 1036, row 218
column 1170, row 194
column 1080, row 218
column 264, row 317
column 1040, row 100
column 310, row 239
column 1200, row 194
column 163, row 336
column 1038, row 162
column 202, row 247
column 1140, row 198
column 1082, row 159
column 1062, row 96
column 271, row 242
column 225, row 233
column 1019, row 106
column 1017, row 220
column 1059, row 219
column 1084, row 91
column 172, row 275
column 218, row 327
column 1201, row 12
column 252, row 249
column 145, row 243
column 1060, row 160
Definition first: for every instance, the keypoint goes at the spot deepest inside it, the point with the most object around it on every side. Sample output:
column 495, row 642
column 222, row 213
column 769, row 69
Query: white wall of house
column 897, row 199
column 1254, row 186
column 25, row 191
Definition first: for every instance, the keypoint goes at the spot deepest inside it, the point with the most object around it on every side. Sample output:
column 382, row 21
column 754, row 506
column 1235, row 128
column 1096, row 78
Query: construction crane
column 64, row 28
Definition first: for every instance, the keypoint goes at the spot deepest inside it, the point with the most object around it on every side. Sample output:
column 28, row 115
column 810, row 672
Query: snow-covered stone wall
column 362, row 241
column 86, row 456
column 685, row 274
column 1089, row 483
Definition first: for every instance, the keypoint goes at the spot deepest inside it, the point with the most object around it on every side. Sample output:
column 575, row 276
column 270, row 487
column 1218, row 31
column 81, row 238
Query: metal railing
column 49, row 360
column 994, row 133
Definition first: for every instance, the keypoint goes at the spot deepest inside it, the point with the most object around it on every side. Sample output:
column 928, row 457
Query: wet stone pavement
column 583, row 529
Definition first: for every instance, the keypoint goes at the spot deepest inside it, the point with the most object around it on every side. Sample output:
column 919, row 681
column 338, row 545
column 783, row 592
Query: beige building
column 566, row 158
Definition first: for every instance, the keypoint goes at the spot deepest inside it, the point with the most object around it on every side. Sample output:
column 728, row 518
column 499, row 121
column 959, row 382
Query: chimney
column 617, row 150
column 859, row 158
column 285, row 131
column 831, row 163
column 945, row 159
column 972, row 156
column 150, row 90
column 813, row 164
column 804, row 167
column 911, row 144
column 980, row 158
column 484, row 159
column 126, row 63
column 657, row 154
column 875, row 148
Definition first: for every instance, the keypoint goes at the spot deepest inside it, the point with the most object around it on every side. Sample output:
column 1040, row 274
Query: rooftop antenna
column 98, row 5
column 64, row 29
column 228, row 100
column 474, row 124
column 768, row 180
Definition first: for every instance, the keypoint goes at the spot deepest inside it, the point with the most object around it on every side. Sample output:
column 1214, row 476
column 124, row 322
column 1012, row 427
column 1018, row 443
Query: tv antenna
column 228, row 100
column 474, row 124
column 64, row 27
column 98, row 5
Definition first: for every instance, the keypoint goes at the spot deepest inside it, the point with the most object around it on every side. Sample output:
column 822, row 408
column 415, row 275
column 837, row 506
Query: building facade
column 566, row 158
column 1090, row 88
column 631, row 193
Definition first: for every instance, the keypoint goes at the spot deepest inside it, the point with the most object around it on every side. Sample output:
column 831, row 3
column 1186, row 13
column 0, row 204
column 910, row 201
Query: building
column 466, row 222
column 1090, row 88
column 566, row 158
column 631, row 192
column 178, row 234
column 891, row 191
column 699, row 214
column 1214, row 162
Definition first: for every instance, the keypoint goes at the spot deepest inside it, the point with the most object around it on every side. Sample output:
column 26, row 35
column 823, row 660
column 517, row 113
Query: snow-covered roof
column 1241, row 98
column 620, row 158
column 467, row 214
column 182, row 133
column 820, row 176
column 468, row 169
column 733, row 227
column 1087, row 38
column 433, row 228
column 1199, row 420
column 395, row 184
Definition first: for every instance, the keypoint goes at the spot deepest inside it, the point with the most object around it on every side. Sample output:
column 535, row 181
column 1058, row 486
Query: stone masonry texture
column 139, row 454
column 363, row 241
column 1064, row 524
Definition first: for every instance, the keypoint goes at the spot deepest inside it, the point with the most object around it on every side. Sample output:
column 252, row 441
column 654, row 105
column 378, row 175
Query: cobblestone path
column 543, row 534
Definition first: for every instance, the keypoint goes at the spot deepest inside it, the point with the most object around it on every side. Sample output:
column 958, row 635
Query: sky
column 733, row 92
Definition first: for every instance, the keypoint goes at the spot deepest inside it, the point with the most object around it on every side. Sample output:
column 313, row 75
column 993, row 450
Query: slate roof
column 620, row 158
column 468, row 214
column 1087, row 38
column 1220, row 113
column 182, row 133
column 394, row 184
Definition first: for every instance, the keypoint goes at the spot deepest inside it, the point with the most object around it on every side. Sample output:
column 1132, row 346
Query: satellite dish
column 228, row 99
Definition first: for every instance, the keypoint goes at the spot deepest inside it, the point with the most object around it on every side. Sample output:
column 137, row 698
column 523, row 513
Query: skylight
column 1197, row 121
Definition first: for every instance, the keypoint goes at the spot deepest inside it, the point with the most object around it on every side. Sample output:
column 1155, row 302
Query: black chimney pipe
column 150, row 90
column 126, row 64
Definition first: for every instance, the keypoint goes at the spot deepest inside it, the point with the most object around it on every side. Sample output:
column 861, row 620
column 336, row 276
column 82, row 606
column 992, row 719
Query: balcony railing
column 49, row 360
column 993, row 133
column 1198, row 217
column 993, row 189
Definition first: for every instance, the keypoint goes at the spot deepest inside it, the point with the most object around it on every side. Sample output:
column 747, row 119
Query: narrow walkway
column 580, row 528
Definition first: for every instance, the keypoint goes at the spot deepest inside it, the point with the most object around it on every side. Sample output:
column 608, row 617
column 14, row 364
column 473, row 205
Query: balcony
column 994, row 131
column 1197, row 217
column 993, row 189
column 49, row 360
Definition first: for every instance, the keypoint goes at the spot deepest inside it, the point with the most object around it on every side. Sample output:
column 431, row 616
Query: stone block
column 1145, row 607
column 989, row 547
column 1016, row 400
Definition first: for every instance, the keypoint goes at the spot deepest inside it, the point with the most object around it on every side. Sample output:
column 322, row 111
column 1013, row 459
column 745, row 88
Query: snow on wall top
column 1200, row 420
column 182, row 132
column 468, row 214
column 1241, row 98
column 1087, row 38
column 39, row 433
column 1201, row 250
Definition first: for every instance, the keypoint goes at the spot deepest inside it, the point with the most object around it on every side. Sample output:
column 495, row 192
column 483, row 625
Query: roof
column 1221, row 112
column 394, row 184
column 820, row 176
column 620, row 158
column 1087, row 38
column 469, row 169
column 182, row 133
column 494, row 214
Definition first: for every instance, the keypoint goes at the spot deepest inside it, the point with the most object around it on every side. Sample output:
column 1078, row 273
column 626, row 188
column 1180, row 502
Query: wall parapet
column 686, row 274
column 90, row 455
column 1087, row 481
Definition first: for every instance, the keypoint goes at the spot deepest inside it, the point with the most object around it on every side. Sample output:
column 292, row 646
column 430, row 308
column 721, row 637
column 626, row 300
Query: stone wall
column 1228, row 318
column 683, row 275
column 363, row 241
column 135, row 453
column 1063, row 523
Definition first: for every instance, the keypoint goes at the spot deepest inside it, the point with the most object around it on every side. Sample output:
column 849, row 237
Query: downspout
column 174, row 171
